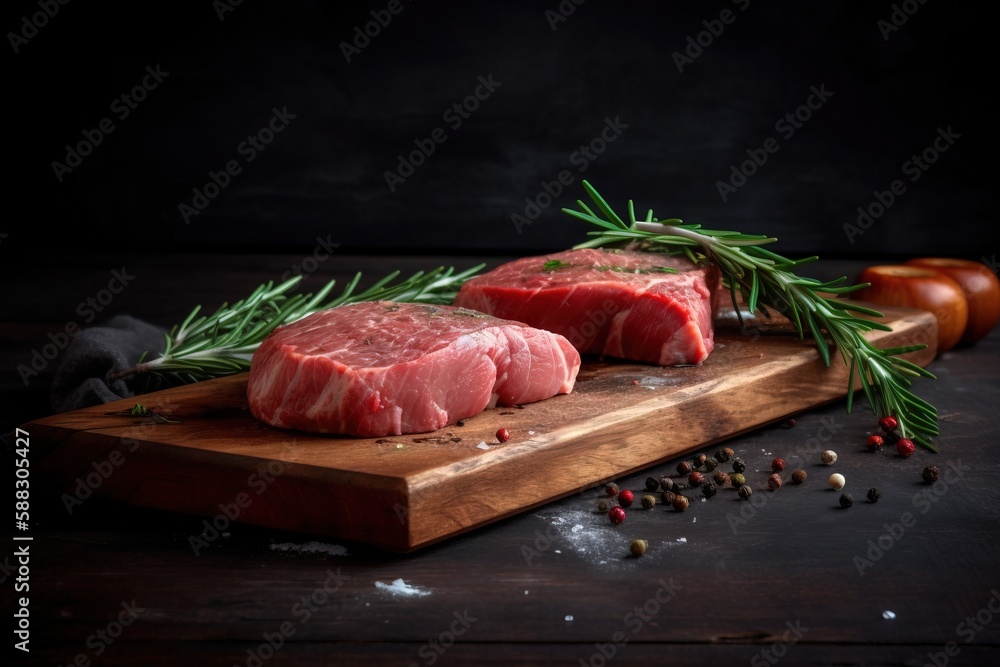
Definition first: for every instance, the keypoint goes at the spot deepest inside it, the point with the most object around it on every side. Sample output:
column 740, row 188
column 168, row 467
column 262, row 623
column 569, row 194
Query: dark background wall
column 679, row 132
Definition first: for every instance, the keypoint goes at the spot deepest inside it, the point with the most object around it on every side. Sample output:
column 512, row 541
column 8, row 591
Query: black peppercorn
column 709, row 489
column 846, row 500
column 710, row 464
column 931, row 474
column 873, row 495
column 666, row 483
column 652, row 483
column 745, row 492
column 699, row 461
column 668, row 497
column 724, row 454
column 684, row 468
column 739, row 465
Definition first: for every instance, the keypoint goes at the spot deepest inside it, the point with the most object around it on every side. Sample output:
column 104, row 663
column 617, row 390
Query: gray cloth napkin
column 82, row 378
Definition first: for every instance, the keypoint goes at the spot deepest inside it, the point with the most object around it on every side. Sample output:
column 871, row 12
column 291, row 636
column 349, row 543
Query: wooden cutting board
column 403, row 493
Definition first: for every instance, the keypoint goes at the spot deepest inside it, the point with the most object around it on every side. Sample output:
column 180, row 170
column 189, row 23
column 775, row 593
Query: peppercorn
column 603, row 506
column 709, row 489
column 905, row 447
column 711, row 464
column 724, row 454
column 680, row 503
column 777, row 465
column 611, row 489
column 837, row 481
column 648, row 502
column 739, row 465
column 774, row 481
column 683, row 468
column 745, row 492
column 874, row 441
column 625, row 498
column 617, row 515
column 846, row 500
column 695, row 478
column 638, row 547
column 652, row 483
column 829, row 457
column 790, row 422
column 503, row 435
column 668, row 484
column 668, row 497
column 699, row 460
column 737, row 480
column 798, row 476
column 931, row 474
column 873, row 495
column 721, row 478
column 888, row 423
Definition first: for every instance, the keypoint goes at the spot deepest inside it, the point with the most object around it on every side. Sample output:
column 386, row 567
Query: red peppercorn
column 905, row 447
column 695, row 478
column 774, row 481
column 617, row 515
column 875, row 441
column 625, row 498
column 777, row 465
column 888, row 424
column 503, row 435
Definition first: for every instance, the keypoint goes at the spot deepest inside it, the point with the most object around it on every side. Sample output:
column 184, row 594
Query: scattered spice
column 668, row 497
column 790, row 422
column 696, row 478
column 737, row 480
column 699, row 460
column 668, row 484
column 874, row 441
column 888, row 424
column 680, row 503
column 777, row 465
column 611, row 489
column 710, row 464
column 724, row 454
column 829, row 457
column 904, row 446
column 931, row 474
column 709, row 489
column 837, row 481
column 873, row 495
column 617, row 515
column 745, row 492
column 846, row 500
column 739, row 465
column 683, row 468
column 603, row 506
column 774, row 481
column 625, row 498
column 652, row 484
column 638, row 547
column 798, row 476
column 503, row 435
column 648, row 501
column 721, row 478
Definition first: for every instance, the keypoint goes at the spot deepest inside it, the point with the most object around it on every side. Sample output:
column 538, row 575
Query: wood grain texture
column 404, row 493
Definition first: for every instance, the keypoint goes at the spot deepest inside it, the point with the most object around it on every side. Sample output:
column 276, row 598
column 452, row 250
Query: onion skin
column 916, row 287
column 981, row 288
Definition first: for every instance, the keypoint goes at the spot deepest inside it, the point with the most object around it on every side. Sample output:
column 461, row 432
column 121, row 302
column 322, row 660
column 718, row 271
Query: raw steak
column 617, row 303
column 383, row 368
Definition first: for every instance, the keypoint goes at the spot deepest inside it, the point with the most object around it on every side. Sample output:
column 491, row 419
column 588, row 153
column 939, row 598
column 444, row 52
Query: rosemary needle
column 765, row 280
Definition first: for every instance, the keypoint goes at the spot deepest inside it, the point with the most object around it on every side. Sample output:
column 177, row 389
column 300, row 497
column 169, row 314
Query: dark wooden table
column 789, row 577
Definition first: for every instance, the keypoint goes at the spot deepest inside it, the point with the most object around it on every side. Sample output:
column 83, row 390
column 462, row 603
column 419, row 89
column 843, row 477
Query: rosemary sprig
column 204, row 347
column 766, row 279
